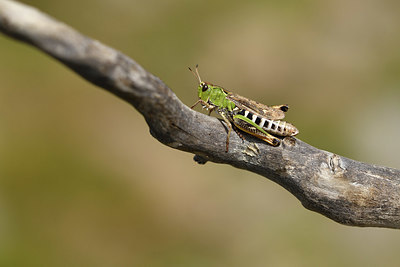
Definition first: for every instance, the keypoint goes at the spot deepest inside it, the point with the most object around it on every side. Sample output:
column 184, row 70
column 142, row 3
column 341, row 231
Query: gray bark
column 347, row 191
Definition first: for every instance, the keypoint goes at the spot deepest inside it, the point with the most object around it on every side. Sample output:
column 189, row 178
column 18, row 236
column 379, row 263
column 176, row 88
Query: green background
column 82, row 182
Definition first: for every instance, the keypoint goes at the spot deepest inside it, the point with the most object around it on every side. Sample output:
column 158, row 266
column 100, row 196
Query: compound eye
column 204, row 87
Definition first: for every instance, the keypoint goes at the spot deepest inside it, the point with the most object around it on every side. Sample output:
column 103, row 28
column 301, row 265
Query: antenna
column 196, row 74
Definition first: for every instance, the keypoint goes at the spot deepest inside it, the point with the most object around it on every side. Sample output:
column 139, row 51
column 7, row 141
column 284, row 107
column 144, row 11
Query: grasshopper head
column 204, row 87
column 213, row 95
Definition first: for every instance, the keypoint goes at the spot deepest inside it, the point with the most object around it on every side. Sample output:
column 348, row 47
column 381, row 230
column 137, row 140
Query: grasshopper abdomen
column 276, row 127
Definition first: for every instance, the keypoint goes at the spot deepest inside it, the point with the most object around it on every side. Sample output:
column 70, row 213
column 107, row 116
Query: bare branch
column 347, row 191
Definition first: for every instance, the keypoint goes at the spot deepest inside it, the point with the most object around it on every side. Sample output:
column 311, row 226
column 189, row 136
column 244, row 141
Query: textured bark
column 347, row 191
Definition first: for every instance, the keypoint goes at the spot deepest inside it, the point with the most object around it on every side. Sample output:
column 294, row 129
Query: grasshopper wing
column 269, row 112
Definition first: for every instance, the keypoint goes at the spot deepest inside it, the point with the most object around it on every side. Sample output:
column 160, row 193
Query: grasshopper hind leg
column 246, row 127
column 272, row 140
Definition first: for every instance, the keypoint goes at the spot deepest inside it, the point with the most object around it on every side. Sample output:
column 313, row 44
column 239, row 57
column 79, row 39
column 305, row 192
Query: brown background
column 82, row 182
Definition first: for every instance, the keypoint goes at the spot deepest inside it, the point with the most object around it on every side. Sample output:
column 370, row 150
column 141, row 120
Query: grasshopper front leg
column 208, row 106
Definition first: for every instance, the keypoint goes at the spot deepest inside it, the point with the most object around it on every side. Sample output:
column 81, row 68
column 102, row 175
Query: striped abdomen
column 276, row 127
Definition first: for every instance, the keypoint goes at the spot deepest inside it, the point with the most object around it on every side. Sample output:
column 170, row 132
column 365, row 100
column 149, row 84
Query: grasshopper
column 262, row 121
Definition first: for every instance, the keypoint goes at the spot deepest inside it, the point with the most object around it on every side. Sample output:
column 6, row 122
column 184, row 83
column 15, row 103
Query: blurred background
column 82, row 182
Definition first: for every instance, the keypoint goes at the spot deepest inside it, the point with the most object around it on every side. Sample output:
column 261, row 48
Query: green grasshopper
column 257, row 119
